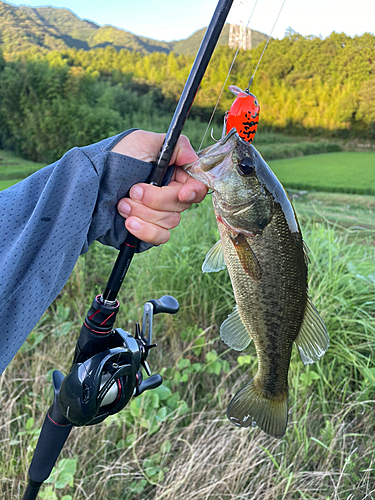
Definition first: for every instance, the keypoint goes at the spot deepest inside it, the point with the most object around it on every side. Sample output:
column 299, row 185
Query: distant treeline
column 51, row 102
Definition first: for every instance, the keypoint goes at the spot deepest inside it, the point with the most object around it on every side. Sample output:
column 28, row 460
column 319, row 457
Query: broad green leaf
column 183, row 363
column 199, row 344
column 244, row 360
column 163, row 392
column 165, row 447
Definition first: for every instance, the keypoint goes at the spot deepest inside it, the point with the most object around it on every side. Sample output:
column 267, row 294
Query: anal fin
column 313, row 340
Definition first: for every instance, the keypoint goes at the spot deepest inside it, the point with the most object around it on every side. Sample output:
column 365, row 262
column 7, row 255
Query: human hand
column 151, row 211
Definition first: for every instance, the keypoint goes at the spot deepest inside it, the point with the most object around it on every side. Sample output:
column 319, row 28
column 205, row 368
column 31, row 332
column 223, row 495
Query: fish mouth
column 213, row 160
column 215, row 155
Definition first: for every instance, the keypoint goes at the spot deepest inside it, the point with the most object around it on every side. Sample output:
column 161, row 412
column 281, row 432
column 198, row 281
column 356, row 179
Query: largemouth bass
column 261, row 245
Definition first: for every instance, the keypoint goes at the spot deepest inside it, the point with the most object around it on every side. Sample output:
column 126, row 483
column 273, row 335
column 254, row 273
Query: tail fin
column 252, row 406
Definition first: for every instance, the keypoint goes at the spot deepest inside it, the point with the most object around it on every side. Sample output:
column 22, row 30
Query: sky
column 174, row 20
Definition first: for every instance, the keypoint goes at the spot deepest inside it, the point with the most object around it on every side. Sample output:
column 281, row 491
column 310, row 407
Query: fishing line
column 157, row 258
column 204, row 136
column 232, row 64
column 214, row 111
column 268, row 39
column 226, row 79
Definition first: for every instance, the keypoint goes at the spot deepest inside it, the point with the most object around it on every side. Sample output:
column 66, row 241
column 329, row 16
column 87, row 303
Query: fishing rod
column 106, row 369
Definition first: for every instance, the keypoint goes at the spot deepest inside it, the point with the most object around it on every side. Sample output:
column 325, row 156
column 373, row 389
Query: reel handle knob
column 151, row 383
column 166, row 304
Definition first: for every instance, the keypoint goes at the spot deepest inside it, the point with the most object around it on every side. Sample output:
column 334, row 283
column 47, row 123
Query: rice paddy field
column 345, row 172
column 175, row 442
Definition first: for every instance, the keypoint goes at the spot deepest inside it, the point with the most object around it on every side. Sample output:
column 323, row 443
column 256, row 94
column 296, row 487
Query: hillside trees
column 52, row 101
column 366, row 105
column 47, row 109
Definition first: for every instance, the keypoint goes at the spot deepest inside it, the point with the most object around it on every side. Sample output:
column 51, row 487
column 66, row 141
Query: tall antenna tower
column 239, row 35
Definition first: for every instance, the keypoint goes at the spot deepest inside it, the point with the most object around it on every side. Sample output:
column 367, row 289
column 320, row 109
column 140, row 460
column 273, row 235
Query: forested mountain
column 49, row 28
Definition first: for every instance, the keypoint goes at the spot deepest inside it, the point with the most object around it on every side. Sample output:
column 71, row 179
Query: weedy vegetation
column 13, row 168
column 175, row 442
column 272, row 145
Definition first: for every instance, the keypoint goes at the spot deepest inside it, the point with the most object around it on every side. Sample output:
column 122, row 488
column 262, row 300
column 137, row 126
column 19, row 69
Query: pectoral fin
column 247, row 257
column 313, row 339
column 234, row 333
column 214, row 260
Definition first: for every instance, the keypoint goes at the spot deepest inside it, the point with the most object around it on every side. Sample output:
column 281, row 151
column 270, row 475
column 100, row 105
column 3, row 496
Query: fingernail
column 124, row 208
column 136, row 192
column 133, row 224
column 190, row 196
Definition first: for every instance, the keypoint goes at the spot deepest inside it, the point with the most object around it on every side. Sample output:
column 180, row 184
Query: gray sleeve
column 48, row 220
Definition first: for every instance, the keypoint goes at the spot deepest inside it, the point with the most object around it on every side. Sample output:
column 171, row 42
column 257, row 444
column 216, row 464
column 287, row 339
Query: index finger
column 192, row 191
column 183, row 152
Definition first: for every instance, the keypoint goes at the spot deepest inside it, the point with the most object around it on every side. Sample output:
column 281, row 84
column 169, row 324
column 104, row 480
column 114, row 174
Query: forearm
column 47, row 221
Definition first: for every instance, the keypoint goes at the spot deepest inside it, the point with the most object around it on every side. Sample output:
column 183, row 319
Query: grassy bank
column 13, row 167
column 176, row 443
column 339, row 209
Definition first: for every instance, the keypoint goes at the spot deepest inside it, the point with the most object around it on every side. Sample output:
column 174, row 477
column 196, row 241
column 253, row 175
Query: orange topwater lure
column 243, row 114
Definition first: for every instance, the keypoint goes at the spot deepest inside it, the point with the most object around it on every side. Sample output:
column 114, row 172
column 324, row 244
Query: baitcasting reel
column 106, row 370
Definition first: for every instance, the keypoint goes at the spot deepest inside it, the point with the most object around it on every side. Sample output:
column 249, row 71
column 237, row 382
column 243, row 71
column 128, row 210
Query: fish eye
column 246, row 167
column 255, row 102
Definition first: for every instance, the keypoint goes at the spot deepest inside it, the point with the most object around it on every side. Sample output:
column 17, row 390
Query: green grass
column 177, row 443
column 8, row 183
column 272, row 145
column 14, row 168
column 348, row 172
column 164, row 447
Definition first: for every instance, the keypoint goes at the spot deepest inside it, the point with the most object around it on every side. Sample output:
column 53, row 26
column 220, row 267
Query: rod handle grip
column 51, row 441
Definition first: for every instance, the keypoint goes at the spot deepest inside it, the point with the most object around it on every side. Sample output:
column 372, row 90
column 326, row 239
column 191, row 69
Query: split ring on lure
column 243, row 114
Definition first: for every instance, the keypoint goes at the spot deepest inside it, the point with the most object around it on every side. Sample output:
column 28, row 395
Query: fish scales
column 266, row 259
column 271, row 306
